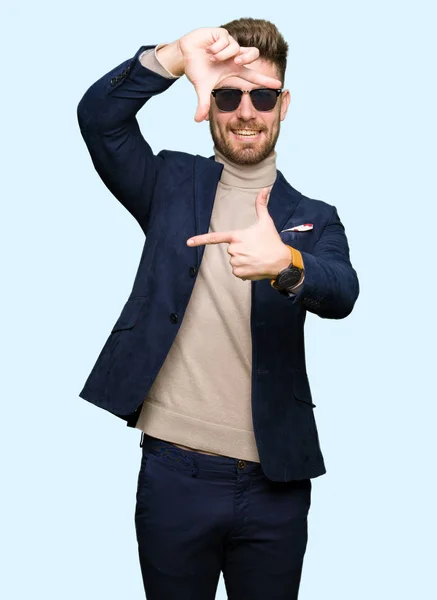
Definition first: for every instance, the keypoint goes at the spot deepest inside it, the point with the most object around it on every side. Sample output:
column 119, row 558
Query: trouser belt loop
column 142, row 439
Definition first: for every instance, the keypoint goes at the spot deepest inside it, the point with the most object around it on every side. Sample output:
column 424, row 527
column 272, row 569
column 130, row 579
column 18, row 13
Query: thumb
column 203, row 102
column 261, row 203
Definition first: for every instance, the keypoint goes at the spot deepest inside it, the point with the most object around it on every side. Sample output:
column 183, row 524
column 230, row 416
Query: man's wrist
column 283, row 262
column 290, row 256
column 171, row 58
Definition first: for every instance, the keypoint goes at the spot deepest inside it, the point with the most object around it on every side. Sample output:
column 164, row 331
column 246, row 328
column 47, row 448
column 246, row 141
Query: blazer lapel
column 282, row 201
column 207, row 174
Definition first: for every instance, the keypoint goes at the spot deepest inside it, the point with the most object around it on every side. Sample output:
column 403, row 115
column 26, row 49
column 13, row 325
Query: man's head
column 224, row 126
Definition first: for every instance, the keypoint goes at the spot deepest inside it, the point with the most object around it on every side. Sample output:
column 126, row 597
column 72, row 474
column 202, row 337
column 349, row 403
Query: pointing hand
column 257, row 252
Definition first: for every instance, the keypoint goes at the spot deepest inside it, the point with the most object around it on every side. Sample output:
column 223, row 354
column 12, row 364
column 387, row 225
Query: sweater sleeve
column 150, row 60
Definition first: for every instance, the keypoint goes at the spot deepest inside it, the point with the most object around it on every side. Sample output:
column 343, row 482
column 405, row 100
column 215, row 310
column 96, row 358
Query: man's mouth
column 246, row 133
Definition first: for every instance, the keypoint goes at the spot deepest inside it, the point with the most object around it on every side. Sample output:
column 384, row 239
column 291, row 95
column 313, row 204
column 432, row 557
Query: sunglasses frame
column 278, row 93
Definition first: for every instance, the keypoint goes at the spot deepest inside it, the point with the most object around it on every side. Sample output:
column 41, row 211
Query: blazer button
column 173, row 318
column 193, row 271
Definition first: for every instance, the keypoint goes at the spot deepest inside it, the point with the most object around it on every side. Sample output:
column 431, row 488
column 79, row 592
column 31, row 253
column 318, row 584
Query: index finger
column 258, row 78
column 211, row 238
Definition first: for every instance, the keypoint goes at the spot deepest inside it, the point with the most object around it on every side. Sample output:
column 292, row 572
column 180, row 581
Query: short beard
column 245, row 156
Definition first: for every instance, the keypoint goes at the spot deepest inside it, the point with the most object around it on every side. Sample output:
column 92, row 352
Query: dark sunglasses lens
column 264, row 99
column 227, row 100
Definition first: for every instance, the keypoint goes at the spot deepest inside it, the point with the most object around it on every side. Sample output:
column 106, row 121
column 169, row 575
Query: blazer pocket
column 130, row 313
column 301, row 387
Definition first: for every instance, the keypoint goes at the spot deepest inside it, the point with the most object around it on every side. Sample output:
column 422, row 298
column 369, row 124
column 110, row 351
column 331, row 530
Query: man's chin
column 247, row 155
column 241, row 152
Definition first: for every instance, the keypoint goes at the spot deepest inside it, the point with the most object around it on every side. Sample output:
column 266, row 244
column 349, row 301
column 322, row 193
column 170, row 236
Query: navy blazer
column 171, row 195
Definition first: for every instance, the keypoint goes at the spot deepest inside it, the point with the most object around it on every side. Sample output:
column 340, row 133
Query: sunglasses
column 228, row 99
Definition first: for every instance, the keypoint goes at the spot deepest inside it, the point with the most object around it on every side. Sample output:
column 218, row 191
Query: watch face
column 290, row 277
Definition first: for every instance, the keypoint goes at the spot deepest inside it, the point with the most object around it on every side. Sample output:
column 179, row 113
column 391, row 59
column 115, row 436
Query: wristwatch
column 291, row 275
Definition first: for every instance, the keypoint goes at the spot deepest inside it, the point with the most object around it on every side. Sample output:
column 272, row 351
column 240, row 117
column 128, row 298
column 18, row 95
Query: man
column 207, row 356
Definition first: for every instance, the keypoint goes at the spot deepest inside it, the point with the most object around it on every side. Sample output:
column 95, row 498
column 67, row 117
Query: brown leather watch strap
column 296, row 260
column 296, row 257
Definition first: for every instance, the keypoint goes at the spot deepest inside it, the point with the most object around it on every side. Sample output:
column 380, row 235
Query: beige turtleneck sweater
column 201, row 397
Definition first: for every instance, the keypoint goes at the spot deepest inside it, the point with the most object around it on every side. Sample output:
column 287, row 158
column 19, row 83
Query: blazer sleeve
column 107, row 120
column 330, row 288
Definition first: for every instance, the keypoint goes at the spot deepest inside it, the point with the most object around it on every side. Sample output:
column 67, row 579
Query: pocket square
column 304, row 227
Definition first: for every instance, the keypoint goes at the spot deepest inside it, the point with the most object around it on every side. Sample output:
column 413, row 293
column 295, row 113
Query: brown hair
column 265, row 36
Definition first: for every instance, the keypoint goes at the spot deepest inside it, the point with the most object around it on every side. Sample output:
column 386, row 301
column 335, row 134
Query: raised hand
column 209, row 55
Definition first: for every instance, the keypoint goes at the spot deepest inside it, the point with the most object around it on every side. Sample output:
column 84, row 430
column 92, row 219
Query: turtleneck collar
column 256, row 176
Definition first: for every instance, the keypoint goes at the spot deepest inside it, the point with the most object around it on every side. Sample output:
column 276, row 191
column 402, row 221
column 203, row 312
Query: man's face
column 224, row 126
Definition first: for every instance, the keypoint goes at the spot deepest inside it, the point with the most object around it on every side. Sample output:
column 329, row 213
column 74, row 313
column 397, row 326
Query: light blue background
column 360, row 134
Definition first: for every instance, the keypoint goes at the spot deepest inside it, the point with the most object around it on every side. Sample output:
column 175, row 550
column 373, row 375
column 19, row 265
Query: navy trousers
column 198, row 515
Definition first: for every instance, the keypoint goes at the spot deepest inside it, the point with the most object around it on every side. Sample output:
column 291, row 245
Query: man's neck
column 256, row 176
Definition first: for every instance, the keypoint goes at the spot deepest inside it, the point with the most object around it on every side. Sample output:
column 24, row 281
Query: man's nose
column 246, row 109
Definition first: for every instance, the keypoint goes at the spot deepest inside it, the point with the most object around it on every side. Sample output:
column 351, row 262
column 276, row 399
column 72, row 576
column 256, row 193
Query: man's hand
column 256, row 252
column 207, row 56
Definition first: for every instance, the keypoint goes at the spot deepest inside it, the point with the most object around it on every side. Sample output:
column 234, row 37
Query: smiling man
column 244, row 128
column 207, row 356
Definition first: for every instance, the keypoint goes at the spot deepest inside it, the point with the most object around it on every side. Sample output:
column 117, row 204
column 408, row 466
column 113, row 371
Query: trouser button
column 241, row 464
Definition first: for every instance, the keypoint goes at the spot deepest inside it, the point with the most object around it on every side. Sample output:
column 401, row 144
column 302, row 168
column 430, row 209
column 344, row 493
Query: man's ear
column 285, row 102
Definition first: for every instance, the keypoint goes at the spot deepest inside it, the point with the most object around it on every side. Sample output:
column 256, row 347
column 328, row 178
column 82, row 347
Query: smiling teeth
column 246, row 132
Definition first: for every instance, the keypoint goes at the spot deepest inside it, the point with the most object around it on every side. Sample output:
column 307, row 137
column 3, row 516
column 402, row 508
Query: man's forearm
column 169, row 55
column 109, row 103
column 331, row 287
column 107, row 120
